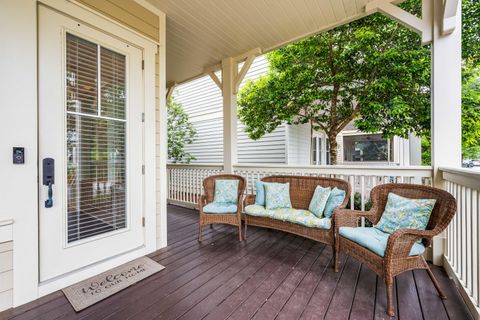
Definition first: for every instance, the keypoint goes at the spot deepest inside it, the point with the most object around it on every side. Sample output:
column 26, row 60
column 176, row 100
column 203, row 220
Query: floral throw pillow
column 277, row 195
column 406, row 213
column 226, row 191
column 319, row 201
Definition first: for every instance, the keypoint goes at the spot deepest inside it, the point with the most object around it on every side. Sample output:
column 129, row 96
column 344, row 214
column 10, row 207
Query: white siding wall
column 6, row 275
column 299, row 144
column 202, row 100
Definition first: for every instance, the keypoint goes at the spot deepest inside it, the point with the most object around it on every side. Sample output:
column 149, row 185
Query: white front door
column 90, row 125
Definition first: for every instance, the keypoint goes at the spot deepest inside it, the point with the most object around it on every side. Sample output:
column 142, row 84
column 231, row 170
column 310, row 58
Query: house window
column 317, row 151
column 367, row 147
column 96, row 139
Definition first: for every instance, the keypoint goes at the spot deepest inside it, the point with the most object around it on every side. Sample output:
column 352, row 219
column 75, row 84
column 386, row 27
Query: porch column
column 229, row 76
column 446, row 102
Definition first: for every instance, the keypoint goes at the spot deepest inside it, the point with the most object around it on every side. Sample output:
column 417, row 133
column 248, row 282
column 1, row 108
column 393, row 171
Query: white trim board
column 6, row 230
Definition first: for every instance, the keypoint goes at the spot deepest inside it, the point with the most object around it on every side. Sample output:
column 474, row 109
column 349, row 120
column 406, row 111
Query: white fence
column 185, row 181
column 462, row 258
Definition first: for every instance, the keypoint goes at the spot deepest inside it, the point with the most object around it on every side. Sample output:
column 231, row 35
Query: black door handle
column 49, row 179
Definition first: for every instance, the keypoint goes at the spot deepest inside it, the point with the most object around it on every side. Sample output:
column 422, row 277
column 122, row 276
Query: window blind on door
column 96, row 139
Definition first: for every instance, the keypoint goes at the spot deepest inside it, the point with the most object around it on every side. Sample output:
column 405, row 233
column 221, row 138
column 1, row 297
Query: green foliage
column 372, row 71
column 180, row 133
column 471, row 152
column 471, row 31
column 471, row 110
column 357, row 200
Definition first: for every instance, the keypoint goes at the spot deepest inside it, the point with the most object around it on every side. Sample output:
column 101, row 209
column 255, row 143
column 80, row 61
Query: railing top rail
column 335, row 167
column 466, row 177
column 196, row 165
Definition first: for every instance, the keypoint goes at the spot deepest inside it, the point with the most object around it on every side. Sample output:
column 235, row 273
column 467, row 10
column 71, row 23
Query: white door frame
column 150, row 49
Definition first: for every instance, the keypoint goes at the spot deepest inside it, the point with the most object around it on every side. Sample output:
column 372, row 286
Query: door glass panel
column 96, row 149
column 81, row 77
column 113, row 84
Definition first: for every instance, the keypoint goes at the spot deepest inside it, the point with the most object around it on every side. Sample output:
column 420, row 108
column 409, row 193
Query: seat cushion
column 406, row 213
column 297, row 216
column 218, row 207
column 226, row 191
column 374, row 240
column 260, row 193
column 334, row 200
column 319, row 200
column 277, row 195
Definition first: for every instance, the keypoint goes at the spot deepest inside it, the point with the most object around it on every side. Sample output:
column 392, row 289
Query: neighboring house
column 288, row 144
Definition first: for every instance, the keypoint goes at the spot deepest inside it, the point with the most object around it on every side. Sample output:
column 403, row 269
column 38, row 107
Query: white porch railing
column 462, row 239
column 462, row 258
column 185, row 181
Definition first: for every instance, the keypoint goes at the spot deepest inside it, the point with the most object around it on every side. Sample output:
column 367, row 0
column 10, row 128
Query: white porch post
column 229, row 76
column 446, row 103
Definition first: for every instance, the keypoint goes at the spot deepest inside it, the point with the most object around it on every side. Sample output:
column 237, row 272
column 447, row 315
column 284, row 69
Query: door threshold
column 75, row 276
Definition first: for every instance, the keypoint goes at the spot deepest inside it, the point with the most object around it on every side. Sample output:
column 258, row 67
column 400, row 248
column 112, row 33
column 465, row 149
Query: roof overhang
column 201, row 33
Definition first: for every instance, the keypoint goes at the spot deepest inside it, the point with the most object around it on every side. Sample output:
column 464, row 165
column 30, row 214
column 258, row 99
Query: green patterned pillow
column 277, row 195
column 226, row 191
column 319, row 201
column 405, row 213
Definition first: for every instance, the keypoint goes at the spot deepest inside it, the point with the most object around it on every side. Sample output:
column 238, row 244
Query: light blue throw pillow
column 406, row 213
column 334, row 200
column 226, row 191
column 260, row 193
column 277, row 195
column 319, row 201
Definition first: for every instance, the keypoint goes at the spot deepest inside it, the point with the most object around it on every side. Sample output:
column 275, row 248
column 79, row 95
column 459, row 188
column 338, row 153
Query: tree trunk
column 332, row 142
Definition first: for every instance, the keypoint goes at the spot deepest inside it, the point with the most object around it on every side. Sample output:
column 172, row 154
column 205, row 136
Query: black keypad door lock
column 49, row 179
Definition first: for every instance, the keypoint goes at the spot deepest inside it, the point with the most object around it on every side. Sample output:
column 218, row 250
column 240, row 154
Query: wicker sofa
column 301, row 192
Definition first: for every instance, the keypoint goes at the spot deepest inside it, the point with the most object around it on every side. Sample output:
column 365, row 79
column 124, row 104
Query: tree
column 471, row 115
column 180, row 132
column 373, row 71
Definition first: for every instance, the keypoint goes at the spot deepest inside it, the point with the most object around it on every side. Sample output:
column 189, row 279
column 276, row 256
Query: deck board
column 272, row 275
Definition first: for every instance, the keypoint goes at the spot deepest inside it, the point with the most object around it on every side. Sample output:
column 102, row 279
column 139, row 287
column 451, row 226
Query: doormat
column 92, row 290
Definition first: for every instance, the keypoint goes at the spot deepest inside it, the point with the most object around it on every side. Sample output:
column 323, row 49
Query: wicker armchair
column 396, row 259
column 233, row 218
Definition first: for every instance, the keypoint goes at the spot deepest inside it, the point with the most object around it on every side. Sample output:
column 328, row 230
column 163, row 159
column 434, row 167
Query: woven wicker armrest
column 201, row 201
column 249, row 199
column 401, row 241
column 349, row 218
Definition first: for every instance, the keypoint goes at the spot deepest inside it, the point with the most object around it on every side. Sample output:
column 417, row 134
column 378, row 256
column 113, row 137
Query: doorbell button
column 18, row 155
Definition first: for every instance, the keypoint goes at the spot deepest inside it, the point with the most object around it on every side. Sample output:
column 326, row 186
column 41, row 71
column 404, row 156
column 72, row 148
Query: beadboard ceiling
column 200, row 33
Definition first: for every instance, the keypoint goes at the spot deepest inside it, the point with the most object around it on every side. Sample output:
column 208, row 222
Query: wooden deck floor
column 273, row 275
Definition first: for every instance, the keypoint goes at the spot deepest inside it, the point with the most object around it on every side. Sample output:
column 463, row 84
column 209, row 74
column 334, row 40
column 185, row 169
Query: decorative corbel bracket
column 422, row 26
column 170, row 89
column 248, row 59
column 449, row 19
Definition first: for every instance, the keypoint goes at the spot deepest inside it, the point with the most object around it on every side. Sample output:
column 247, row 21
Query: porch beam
column 446, row 86
column 422, row 26
column 229, row 75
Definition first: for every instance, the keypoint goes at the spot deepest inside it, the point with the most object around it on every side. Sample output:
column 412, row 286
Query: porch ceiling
column 200, row 33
